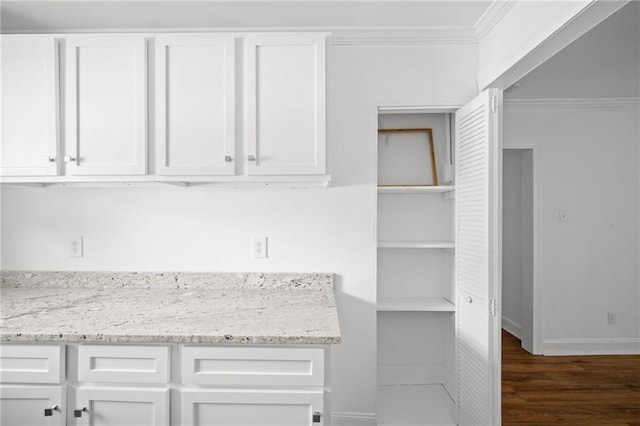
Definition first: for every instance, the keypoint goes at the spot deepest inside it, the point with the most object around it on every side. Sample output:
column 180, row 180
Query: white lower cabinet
column 121, row 406
column 27, row 405
column 136, row 385
column 245, row 407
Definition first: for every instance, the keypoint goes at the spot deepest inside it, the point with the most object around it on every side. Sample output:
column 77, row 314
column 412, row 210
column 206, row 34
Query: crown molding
column 403, row 36
column 577, row 102
column 490, row 18
column 340, row 36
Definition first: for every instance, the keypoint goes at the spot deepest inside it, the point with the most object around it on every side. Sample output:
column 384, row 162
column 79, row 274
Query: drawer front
column 250, row 366
column 31, row 363
column 123, row 364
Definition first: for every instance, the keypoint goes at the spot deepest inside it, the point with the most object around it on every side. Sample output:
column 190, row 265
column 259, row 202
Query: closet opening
column 518, row 245
column 415, row 268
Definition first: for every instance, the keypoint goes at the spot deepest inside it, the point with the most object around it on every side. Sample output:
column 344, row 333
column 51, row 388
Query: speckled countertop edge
column 208, row 308
column 184, row 280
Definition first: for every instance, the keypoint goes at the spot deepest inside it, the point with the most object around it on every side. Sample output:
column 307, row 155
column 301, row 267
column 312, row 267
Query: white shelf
column 417, row 244
column 415, row 304
column 417, row 189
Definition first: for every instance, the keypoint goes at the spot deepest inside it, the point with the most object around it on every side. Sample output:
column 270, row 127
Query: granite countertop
column 168, row 308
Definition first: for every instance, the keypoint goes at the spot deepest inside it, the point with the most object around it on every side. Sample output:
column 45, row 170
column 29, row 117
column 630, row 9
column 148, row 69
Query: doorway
column 518, row 245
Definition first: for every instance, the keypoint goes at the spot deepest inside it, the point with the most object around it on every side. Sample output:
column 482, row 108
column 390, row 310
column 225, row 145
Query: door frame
column 535, row 324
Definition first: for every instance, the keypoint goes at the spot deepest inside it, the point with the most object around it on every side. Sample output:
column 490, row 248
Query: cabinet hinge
column 494, row 104
column 316, row 417
column 493, row 307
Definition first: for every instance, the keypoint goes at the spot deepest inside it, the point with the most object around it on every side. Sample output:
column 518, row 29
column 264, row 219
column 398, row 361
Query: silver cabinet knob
column 78, row 413
column 228, row 158
column 69, row 158
column 52, row 159
column 48, row 412
column 251, row 158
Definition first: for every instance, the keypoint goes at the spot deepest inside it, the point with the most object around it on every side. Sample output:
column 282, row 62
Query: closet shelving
column 416, row 244
column 415, row 189
column 415, row 263
column 415, row 304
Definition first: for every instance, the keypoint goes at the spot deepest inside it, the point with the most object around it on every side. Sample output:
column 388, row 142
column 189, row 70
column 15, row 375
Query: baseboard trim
column 623, row 346
column 353, row 419
column 512, row 327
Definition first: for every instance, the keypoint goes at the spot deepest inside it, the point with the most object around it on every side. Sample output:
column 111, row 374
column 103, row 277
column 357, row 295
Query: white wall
column 521, row 27
column 588, row 163
column 208, row 229
column 512, row 260
column 528, row 182
column 517, row 36
column 517, row 244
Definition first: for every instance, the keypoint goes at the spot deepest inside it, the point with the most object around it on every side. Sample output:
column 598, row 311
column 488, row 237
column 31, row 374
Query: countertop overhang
column 192, row 308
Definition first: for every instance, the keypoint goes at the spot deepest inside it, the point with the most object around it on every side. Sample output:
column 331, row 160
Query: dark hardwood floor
column 568, row 390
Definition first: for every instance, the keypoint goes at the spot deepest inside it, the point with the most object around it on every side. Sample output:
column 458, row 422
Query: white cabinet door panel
column 123, row 364
column 235, row 407
column 106, row 126
column 25, row 405
column 29, row 106
column 20, row 363
column 122, row 406
column 285, row 104
column 195, row 105
column 252, row 366
column 478, row 256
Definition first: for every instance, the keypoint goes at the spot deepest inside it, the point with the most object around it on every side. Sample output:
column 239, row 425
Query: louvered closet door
column 478, row 172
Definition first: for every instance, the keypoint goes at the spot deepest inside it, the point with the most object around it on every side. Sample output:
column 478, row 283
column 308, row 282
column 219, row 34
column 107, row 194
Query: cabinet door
column 26, row 405
column 195, row 105
column 106, row 126
column 285, row 104
column 236, row 407
column 29, row 106
column 478, row 257
column 120, row 406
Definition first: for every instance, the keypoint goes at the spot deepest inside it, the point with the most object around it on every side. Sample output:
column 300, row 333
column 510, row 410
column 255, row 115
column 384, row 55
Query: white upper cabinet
column 29, row 106
column 75, row 108
column 195, row 105
column 105, row 105
column 284, row 107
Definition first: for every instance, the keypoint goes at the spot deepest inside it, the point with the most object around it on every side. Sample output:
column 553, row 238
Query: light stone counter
column 168, row 308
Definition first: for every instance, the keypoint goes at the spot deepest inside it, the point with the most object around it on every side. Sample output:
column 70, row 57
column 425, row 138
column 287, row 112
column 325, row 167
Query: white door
column 478, row 258
column 32, row 405
column 285, row 87
column 106, row 105
column 120, row 406
column 29, row 106
column 235, row 407
column 195, row 105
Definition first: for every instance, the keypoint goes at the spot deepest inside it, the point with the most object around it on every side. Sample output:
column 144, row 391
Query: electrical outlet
column 611, row 318
column 75, row 247
column 259, row 247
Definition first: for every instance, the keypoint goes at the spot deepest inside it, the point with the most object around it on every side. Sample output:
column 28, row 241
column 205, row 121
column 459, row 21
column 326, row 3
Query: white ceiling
column 69, row 16
column 603, row 63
